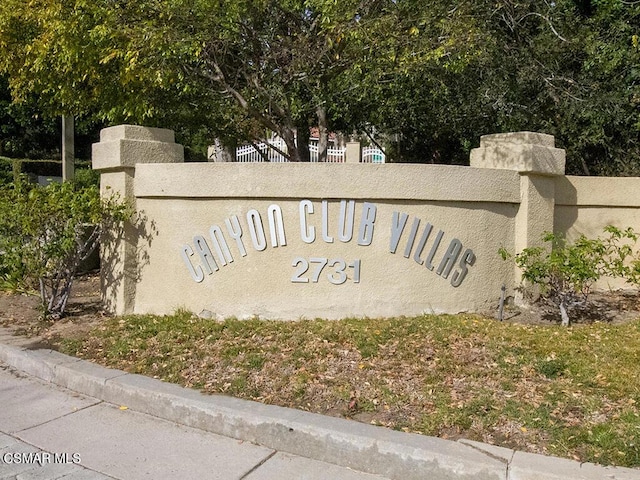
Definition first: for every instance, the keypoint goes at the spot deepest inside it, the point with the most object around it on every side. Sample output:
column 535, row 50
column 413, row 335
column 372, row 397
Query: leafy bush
column 565, row 272
column 6, row 170
column 46, row 232
column 86, row 177
column 622, row 261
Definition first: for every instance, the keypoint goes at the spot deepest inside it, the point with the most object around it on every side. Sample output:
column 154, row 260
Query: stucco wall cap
column 136, row 132
column 521, row 157
column 519, row 138
column 127, row 153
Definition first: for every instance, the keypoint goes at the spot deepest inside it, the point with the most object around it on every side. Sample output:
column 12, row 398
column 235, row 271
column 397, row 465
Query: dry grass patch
column 572, row 392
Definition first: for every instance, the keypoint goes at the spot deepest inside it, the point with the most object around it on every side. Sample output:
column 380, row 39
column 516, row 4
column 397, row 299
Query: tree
column 231, row 68
column 569, row 68
column 429, row 76
column 26, row 132
column 566, row 68
column 564, row 273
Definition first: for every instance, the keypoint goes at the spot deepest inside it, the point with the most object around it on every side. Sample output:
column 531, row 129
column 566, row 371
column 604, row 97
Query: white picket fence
column 248, row 153
column 372, row 155
column 334, row 155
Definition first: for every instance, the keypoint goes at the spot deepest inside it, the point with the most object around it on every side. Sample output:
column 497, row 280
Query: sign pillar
column 537, row 160
column 353, row 153
column 115, row 157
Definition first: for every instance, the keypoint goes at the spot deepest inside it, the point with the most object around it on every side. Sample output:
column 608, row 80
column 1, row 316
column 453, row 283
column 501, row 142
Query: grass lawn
column 571, row 392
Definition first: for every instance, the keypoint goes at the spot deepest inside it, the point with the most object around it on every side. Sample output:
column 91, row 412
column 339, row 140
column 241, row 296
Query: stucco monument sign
column 288, row 241
column 258, row 232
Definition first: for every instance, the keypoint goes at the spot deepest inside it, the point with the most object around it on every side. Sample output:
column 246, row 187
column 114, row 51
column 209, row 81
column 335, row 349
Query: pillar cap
column 124, row 146
column 518, row 138
column 137, row 132
column 524, row 152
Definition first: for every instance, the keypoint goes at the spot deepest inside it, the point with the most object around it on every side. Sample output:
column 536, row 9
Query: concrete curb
column 346, row 443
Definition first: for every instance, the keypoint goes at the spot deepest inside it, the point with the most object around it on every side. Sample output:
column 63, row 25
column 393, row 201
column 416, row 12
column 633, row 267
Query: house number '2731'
column 309, row 270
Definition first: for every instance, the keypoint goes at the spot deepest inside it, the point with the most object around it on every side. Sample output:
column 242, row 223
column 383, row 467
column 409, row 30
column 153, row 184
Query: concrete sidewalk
column 79, row 420
column 85, row 438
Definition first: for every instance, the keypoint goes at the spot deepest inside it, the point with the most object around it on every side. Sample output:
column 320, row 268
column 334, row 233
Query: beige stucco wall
column 423, row 238
column 476, row 206
column 585, row 205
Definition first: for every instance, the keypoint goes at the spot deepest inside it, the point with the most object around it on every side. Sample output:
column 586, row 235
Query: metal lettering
column 432, row 253
column 234, row 229
column 308, row 234
column 455, row 247
column 325, row 222
column 345, row 224
column 412, row 237
column 256, row 230
column 423, row 241
column 339, row 275
column 276, row 225
column 220, row 245
column 468, row 258
column 365, row 233
column 356, row 270
column 320, row 263
column 206, row 256
column 398, row 221
column 196, row 273
column 302, row 267
column 311, row 270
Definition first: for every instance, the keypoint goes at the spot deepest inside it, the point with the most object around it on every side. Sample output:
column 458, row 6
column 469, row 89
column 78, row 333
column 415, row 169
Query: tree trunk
column 323, row 134
column 290, row 140
column 223, row 152
column 564, row 314
column 303, row 141
column 303, row 145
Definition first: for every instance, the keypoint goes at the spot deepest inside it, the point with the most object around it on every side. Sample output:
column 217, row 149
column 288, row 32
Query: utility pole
column 68, row 139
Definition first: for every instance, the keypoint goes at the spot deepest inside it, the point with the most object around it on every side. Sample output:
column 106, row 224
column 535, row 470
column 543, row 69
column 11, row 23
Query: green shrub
column 86, row 177
column 6, row 170
column 622, row 261
column 565, row 272
column 46, row 232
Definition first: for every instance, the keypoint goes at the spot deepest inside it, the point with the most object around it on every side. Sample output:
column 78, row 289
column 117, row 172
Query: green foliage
column 6, row 170
column 26, row 131
column 565, row 272
column 46, row 232
column 428, row 76
column 12, row 168
column 86, row 177
column 622, row 261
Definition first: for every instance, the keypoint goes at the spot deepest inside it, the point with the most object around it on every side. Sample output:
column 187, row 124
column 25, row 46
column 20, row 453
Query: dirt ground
column 21, row 312
column 613, row 307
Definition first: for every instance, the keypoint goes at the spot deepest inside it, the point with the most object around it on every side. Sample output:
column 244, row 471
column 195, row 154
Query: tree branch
column 546, row 19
